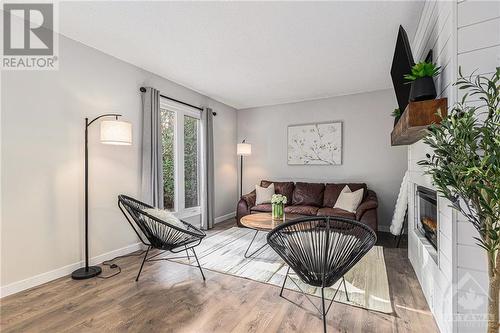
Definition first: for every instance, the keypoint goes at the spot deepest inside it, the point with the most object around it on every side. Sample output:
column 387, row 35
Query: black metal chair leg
column 187, row 253
column 323, row 308
column 405, row 220
column 345, row 289
column 246, row 255
column 284, row 281
column 199, row 266
column 142, row 264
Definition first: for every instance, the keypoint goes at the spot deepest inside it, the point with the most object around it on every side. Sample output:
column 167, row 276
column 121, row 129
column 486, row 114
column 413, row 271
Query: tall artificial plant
column 465, row 168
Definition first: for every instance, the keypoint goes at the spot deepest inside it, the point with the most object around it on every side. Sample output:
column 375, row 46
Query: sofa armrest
column 246, row 202
column 250, row 198
column 367, row 211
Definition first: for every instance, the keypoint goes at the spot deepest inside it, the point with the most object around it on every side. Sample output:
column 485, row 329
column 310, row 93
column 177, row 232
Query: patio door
column 181, row 142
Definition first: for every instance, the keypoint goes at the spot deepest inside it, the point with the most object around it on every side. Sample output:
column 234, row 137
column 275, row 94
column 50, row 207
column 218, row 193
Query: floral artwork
column 315, row 144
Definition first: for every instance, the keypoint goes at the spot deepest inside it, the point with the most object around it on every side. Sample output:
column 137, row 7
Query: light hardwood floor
column 172, row 297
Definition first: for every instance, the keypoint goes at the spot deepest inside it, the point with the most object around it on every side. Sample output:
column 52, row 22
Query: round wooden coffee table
column 263, row 222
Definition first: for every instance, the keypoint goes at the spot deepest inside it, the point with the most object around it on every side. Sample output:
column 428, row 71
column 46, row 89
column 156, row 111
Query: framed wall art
column 315, row 144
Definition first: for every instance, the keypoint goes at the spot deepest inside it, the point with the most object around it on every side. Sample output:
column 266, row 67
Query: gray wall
column 42, row 159
column 367, row 153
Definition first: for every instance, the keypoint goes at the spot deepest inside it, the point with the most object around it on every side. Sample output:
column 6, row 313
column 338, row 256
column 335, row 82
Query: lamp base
column 84, row 273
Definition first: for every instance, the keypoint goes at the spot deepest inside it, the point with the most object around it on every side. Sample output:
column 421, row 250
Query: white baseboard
column 224, row 217
column 39, row 279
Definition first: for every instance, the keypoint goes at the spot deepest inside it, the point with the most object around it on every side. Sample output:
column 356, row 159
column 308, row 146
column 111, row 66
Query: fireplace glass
column 427, row 221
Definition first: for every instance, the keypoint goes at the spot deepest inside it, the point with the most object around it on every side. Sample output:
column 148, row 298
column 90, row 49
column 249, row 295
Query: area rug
column 367, row 284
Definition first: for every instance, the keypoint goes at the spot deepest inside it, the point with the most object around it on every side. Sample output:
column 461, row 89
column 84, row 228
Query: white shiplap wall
column 462, row 34
column 435, row 271
column 478, row 51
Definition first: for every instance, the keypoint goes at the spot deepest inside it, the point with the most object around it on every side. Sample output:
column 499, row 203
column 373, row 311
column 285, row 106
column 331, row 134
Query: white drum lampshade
column 116, row 132
column 244, row 149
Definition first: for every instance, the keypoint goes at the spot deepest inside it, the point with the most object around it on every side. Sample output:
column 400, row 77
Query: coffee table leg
column 249, row 245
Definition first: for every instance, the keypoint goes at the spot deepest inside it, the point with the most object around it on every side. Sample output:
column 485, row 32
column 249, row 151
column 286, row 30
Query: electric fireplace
column 427, row 220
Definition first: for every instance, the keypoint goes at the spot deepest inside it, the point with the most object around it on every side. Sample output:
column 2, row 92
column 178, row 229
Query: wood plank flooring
column 172, row 297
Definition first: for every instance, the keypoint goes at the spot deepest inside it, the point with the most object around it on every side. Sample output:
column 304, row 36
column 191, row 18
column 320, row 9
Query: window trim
column 180, row 111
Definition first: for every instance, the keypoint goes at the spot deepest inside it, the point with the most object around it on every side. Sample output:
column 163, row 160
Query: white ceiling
column 248, row 54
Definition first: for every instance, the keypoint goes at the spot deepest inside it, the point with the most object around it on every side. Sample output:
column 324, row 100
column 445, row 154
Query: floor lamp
column 113, row 132
column 243, row 149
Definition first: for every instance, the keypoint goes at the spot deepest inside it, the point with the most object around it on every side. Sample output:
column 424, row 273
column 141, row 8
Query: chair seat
column 321, row 249
column 160, row 232
column 180, row 243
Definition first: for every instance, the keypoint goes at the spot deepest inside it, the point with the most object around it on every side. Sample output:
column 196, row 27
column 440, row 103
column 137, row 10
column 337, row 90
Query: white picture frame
column 315, row 144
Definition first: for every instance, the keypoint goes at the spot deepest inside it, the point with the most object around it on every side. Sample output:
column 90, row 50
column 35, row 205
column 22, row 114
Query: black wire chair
column 320, row 250
column 159, row 234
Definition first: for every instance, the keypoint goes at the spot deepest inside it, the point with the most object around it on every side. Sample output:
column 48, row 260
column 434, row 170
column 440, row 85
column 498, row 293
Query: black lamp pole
column 88, row 272
column 241, row 171
column 241, row 176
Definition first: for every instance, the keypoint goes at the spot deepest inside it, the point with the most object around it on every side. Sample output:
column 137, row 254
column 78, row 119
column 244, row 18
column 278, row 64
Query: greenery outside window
column 191, row 161
column 168, row 157
column 180, row 133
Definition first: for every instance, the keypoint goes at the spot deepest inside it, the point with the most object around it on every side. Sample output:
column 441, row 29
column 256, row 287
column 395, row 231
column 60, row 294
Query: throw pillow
column 348, row 200
column 166, row 216
column 263, row 194
column 308, row 194
column 346, row 189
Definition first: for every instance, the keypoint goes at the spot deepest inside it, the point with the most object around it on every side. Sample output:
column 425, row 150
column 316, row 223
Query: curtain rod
column 142, row 89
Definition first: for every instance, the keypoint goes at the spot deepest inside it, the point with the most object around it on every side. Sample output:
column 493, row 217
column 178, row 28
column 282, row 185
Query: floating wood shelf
column 416, row 119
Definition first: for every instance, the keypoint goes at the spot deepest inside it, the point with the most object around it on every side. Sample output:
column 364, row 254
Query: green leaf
column 423, row 69
column 465, row 162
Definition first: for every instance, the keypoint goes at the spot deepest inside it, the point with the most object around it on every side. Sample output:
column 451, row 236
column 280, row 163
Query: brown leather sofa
column 313, row 199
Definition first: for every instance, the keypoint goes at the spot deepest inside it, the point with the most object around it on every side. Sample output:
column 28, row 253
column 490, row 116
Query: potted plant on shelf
column 396, row 114
column 422, row 82
column 465, row 168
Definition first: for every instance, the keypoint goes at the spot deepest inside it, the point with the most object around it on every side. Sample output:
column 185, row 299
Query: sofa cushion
column 327, row 211
column 283, row 188
column 302, row 210
column 263, row 194
column 262, row 208
column 332, row 192
column 349, row 200
column 308, row 194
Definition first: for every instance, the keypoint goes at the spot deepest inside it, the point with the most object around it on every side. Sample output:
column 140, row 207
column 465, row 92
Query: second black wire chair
column 159, row 234
column 320, row 250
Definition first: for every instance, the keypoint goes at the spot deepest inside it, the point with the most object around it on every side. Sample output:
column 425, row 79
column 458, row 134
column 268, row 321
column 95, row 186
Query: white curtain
column 207, row 184
column 152, row 168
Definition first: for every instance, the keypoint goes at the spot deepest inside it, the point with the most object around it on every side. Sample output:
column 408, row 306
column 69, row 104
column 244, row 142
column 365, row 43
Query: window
column 168, row 151
column 191, row 161
column 180, row 133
